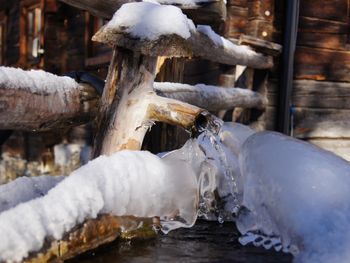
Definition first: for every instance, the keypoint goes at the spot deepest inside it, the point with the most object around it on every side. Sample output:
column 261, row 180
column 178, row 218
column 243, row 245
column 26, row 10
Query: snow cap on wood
column 162, row 30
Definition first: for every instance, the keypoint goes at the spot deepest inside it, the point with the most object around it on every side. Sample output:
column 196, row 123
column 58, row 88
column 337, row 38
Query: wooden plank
column 315, row 94
column 336, row 10
column 310, row 24
column 323, row 40
column 241, row 3
column 236, row 21
column 260, row 45
column 340, row 147
column 261, row 29
column 262, row 10
column 204, row 12
column 322, row 64
column 321, row 123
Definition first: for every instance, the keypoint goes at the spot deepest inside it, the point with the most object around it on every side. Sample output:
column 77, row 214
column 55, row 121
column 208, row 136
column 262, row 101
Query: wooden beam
column 29, row 104
column 322, row 64
column 315, row 94
column 176, row 46
column 203, row 13
column 25, row 109
column 211, row 98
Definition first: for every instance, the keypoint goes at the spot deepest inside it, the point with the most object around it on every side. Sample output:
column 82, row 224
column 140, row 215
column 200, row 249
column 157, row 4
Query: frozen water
column 150, row 21
column 283, row 193
column 298, row 192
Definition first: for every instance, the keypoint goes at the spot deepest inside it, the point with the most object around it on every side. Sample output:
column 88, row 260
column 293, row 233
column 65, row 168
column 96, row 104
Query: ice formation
column 283, row 193
column 296, row 192
column 126, row 183
column 150, row 21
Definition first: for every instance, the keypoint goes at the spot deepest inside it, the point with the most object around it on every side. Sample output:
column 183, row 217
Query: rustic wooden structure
column 129, row 95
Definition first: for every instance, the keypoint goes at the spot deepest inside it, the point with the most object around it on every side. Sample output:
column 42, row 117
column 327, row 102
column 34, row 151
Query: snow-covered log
column 157, row 30
column 37, row 100
column 202, row 11
column 211, row 98
column 67, row 221
column 33, row 99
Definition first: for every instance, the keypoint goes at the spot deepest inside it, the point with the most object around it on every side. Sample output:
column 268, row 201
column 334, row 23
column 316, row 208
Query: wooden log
column 260, row 45
column 337, row 10
column 316, row 25
column 27, row 105
column 211, row 98
column 323, row 40
column 322, row 64
column 91, row 234
column 315, row 94
column 23, row 109
column 176, row 46
column 203, row 13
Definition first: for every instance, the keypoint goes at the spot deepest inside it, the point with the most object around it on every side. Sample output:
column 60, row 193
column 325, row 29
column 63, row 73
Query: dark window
column 31, row 32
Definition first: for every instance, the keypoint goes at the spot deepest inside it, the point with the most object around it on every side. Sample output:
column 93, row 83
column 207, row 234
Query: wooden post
column 130, row 78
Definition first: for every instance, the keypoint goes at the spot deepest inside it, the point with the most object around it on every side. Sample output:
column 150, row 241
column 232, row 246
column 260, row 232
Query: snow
column 212, row 98
column 150, row 21
column 35, row 81
column 126, row 183
column 223, row 42
column 24, row 189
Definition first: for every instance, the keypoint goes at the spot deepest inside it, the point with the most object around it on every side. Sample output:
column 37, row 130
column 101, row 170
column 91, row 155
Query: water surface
column 205, row 242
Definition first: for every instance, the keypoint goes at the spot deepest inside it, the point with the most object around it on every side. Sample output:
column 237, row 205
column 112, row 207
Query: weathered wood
column 91, row 234
column 236, row 21
column 129, row 95
column 227, row 55
column 23, row 109
column 261, row 29
column 242, row 3
column 261, row 45
column 322, row 64
column 323, row 40
column 211, row 98
column 315, row 94
column 337, row 10
column 175, row 46
column 206, row 12
column 130, row 77
column 316, row 25
column 321, row 123
column 261, row 10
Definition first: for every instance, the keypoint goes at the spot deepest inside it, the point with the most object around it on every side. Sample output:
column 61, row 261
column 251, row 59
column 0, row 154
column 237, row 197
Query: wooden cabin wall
column 12, row 11
column 321, row 90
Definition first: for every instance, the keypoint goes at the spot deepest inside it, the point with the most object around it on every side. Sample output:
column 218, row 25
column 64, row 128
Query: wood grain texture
column 206, row 12
column 322, row 64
